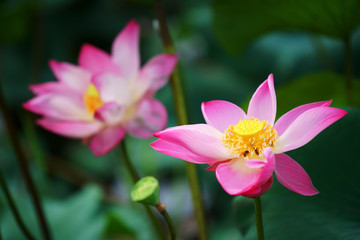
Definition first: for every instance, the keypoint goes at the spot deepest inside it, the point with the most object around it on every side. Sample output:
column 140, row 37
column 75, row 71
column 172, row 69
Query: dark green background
column 226, row 49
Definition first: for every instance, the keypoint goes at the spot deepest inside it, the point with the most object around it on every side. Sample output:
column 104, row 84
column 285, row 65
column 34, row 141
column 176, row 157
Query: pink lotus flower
column 245, row 149
column 106, row 95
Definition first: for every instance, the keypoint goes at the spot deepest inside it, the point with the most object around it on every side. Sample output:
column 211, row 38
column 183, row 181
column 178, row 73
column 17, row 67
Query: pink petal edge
column 290, row 174
column 221, row 114
column 263, row 103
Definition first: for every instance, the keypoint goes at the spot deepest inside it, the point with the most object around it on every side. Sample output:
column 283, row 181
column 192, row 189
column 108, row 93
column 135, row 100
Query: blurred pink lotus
column 106, row 95
column 244, row 149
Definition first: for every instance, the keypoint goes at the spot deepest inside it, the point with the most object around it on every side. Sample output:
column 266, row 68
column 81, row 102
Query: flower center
column 248, row 138
column 92, row 99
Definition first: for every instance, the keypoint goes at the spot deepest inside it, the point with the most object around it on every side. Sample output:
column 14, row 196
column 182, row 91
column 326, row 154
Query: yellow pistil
column 92, row 99
column 248, row 138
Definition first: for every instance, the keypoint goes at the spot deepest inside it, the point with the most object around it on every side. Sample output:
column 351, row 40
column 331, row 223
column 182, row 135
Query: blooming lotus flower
column 105, row 95
column 245, row 149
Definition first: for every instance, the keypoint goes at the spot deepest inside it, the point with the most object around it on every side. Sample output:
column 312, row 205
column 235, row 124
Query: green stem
column 348, row 70
column 182, row 119
column 135, row 177
column 259, row 221
column 162, row 210
column 14, row 209
column 24, row 168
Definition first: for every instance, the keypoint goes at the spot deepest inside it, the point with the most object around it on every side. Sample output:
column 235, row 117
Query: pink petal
column 258, row 191
column 48, row 87
column 221, row 114
column 111, row 113
column 178, row 151
column 285, row 120
column 156, row 72
column 263, row 103
column 200, row 139
column 96, row 60
column 255, row 163
column 214, row 165
column 70, row 129
column 306, row 126
column 73, row 76
column 65, row 106
column 106, row 140
column 236, row 178
column 290, row 174
column 112, row 88
column 125, row 50
column 151, row 116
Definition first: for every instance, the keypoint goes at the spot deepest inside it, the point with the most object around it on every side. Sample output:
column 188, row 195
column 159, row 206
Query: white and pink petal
column 263, row 103
column 125, row 50
column 285, row 120
column 76, row 78
column 155, row 73
column 106, row 139
column 150, row 117
column 70, row 128
column 61, row 106
column 112, row 88
column 200, row 139
column 306, row 126
column 96, row 60
column 221, row 114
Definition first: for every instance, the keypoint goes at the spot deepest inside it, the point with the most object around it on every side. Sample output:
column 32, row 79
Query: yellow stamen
column 248, row 138
column 92, row 99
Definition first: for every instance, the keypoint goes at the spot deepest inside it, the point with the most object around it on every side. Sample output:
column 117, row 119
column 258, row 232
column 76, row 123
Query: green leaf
column 332, row 163
column 238, row 23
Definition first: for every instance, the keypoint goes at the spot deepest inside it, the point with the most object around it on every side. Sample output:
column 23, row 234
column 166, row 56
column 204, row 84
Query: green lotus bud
column 146, row 191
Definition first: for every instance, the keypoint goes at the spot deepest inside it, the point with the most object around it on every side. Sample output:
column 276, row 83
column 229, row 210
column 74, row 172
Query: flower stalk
column 24, row 169
column 14, row 210
column 135, row 177
column 259, row 221
column 182, row 119
column 162, row 210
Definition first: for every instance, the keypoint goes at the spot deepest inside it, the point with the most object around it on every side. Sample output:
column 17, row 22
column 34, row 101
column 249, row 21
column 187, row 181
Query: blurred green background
column 226, row 49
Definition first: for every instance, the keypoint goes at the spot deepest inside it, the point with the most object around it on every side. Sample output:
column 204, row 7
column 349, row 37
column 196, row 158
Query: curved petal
column 178, row 151
column 263, row 103
column 70, row 129
column 62, row 106
column 290, row 174
column 125, row 50
column 151, row 116
column 48, row 87
column 73, row 76
column 105, row 140
column 156, row 73
column 306, row 126
column 112, row 88
column 236, row 178
column 221, row 114
column 111, row 113
column 257, row 192
column 200, row 139
column 96, row 60
column 285, row 120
